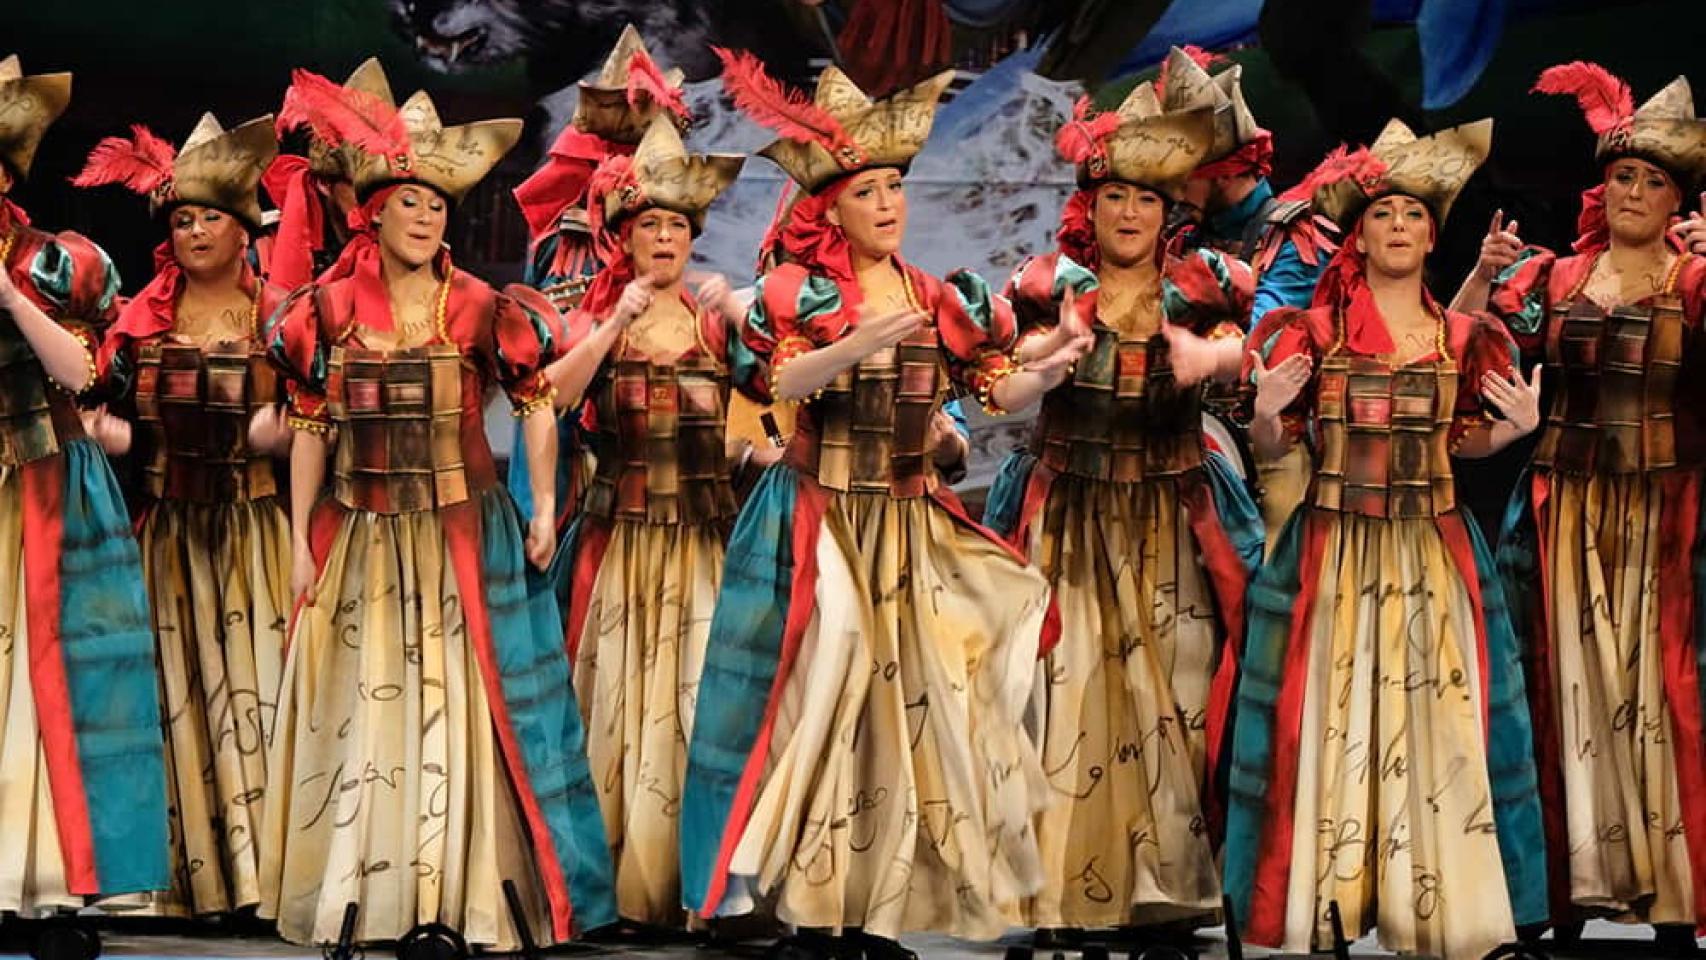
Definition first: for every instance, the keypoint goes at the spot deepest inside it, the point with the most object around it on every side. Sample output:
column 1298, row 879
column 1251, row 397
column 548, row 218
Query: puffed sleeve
column 979, row 333
column 1519, row 297
column 1208, row 293
column 297, row 347
column 793, row 312
column 527, row 334
column 1487, row 348
column 74, row 282
column 1036, row 288
column 1282, row 334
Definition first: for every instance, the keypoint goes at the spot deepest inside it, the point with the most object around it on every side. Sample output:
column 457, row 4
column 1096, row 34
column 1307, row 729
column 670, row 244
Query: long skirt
column 639, row 618
column 82, row 778
column 1607, row 600
column 1147, row 590
column 427, row 747
column 1382, row 757
column 858, row 754
column 219, row 587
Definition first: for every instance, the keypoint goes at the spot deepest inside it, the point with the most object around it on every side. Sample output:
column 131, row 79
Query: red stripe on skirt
column 594, row 539
column 1230, row 579
column 1462, row 550
column 1037, row 487
column 43, row 496
column 1678, row 525
column 1542, row 703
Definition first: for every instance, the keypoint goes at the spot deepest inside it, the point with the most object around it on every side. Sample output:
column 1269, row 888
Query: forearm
column 1023, row 389
column 1228, row 358
column 539, row 436
column 573, row 371
column 1487, row 439
column 62, row 354
column 1267, row 436
column 307, row 471
column 807, row 373
column 1472, row 296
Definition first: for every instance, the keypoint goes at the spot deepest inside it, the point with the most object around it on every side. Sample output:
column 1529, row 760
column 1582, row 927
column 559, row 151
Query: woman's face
column 1639, row 201
column 206, row 241
column 1128, row 221
column 661, row 241
column 871, row 211
column 411, row 224
column 1396, row 236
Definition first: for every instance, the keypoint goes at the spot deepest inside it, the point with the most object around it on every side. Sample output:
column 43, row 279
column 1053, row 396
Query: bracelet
column 984, row 386
column 526, row 408
column 88, row 363
column 317, row 427
column 775, row 378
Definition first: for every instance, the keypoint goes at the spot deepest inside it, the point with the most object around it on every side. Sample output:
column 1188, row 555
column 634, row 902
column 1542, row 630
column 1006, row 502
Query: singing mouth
column 451, row 49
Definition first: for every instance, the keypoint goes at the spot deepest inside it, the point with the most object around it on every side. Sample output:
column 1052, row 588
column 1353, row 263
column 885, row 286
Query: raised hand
column 1276, row 388
column 635, row 300
column 714, row 290
column 1691, row 233
column 1517, row 399
column 1499, row 248
column 110, row 433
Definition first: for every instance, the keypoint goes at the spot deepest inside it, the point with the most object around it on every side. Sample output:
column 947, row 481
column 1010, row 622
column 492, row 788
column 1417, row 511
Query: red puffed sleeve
column 979, row 333
column 527, row 334
column 1519, row 297
column 793, row 312
column 297, row 346
column 1037, row 287
column 1208, row 293
column 1482, row 345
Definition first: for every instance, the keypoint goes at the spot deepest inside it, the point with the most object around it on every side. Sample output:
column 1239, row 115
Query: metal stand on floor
column 1050, row 949
column 1100, row 945
column 345, row 948
column 65, row 937
column 1340, row 949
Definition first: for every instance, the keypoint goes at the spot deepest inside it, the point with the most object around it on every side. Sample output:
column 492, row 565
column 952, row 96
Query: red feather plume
column 1199, row 56
column 1604, row 99
column 1082, row 135
column 770, row 104
column 1341, row 164
column 646, row 80
column 143, row 162
column 342, row 115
